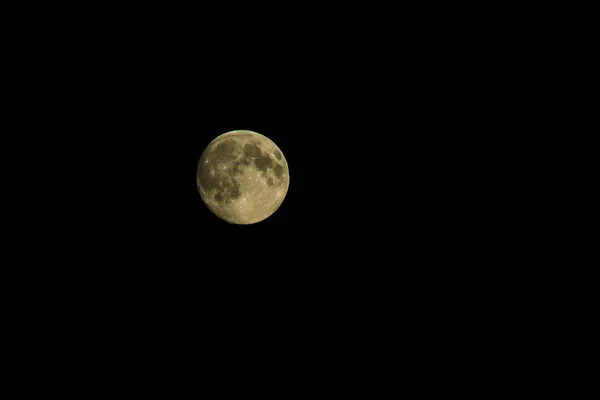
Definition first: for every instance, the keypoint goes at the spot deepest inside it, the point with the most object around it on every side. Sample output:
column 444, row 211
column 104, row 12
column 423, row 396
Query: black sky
column 390, row 132
column 382, row 133
column 398, row 221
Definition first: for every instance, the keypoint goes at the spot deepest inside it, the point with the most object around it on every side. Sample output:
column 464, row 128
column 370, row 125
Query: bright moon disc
column 242, row 177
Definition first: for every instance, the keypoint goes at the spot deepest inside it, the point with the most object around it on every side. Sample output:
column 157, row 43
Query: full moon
column 242, row 177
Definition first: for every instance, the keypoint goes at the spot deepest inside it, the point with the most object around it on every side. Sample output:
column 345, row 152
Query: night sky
column 395, row 210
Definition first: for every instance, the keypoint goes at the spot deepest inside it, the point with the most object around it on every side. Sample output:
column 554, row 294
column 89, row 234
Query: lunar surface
column 242, row 177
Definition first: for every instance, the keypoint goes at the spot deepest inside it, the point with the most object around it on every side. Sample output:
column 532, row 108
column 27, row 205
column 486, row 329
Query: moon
column 243, row 177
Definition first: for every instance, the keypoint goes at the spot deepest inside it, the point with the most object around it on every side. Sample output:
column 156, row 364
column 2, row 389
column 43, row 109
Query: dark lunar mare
column 251, row 151
column 237, row 166
column 278, row 170
column 227, row 189
column 225, row 151
column 262, row 160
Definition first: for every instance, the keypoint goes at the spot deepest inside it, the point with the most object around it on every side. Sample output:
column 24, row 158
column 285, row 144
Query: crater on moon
column 242, row 177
